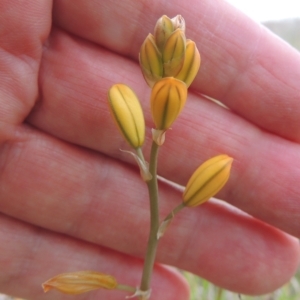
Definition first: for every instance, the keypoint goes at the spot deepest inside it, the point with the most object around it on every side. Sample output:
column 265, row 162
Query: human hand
column 70, row 200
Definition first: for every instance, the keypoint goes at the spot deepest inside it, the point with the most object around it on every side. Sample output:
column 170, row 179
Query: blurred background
column 280, row 16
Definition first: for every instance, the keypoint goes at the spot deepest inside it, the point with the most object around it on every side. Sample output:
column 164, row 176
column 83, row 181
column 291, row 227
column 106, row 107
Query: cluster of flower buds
column 169, row 63
column 167, row 53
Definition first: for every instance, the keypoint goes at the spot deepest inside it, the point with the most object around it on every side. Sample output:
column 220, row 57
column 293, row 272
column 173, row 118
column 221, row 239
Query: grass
column 204, row 290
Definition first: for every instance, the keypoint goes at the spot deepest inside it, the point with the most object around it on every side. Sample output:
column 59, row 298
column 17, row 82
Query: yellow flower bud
column 128, row 114
column 174, row 53
column 191, row 63
column 207, row 180
column 151, row 61
column 167, row 100
column 80, row 282
column 163, row 29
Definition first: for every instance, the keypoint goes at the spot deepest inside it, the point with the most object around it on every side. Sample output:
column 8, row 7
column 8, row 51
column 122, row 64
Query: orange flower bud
column 167, row 100
column 191, row 64
column 80, row 282
column 207, row 180
column 150, row 61
column 174, row 53
column 163, row 29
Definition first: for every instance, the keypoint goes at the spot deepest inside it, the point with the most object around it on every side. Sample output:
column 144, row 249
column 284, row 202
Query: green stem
column 154, row 220
column 219, row 294
column 126, row 288
column 140, row 154
column 176, row 210
column 168, row 219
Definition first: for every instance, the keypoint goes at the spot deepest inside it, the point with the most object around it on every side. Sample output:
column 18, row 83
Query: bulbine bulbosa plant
column 169, row 63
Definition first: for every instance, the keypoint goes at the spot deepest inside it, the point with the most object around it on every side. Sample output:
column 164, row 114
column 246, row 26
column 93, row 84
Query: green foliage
column 204, row 290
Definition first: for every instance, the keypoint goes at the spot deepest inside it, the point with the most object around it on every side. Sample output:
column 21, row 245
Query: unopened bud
column 174, row 53
column 151, row 61
column 80, row 282
column 128, row 114
column 207, row 180
column 191, row 64
column 178, row 22
column 163, row 29
column 167, row 100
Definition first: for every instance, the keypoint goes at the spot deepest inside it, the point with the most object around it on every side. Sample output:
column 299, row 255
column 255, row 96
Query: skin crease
column 70, row 200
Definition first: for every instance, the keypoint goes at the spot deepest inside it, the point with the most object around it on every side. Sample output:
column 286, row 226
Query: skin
column 70, row 200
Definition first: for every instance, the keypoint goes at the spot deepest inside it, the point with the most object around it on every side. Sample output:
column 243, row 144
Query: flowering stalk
column 168, row 98
column 154, row 221
column 169, row 63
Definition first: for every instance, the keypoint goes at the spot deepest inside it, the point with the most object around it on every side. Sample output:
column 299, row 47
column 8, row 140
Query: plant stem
column 176, row 210
column 127, row 288
column 154, row 220
column 168, row 219
column 219, row 294
column 140, row 154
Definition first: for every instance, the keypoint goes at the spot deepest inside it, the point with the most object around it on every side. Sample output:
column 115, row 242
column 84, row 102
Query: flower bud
column 127, row 112
column 167, row 100
column 80, row 282
column 178, row 22
column 191, row 64
column 163, row 29
column 207, row 180
column 174, row 53
column 151, row 61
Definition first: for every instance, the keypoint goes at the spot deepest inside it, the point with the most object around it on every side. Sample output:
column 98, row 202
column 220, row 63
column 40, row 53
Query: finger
column 74, row 108
column 30, row 255
column 243, row 64
column 100, row 200
column 26, row 28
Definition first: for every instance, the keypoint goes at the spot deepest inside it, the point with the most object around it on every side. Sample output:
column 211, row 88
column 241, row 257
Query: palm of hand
column 70, row 201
